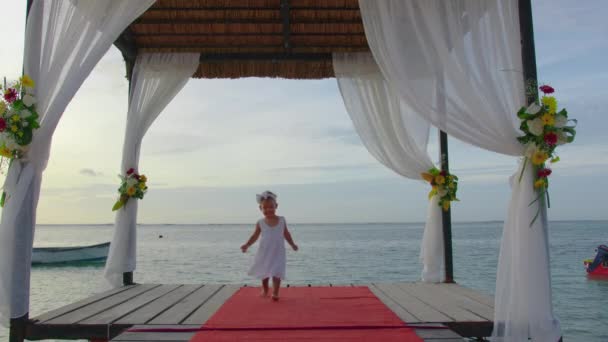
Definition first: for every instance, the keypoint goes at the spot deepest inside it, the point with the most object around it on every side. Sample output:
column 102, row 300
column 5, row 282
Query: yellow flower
column 427, row 177
column 451, row 185
column 142, row 185
column 539, row 157
column 143, row 178
column 2, row 107
column 27, row 81
column 446, row 205
column 5, row 152
column 539, row 183
column 15, row 118
column 439, row 179
column 433, row 192
column 131, row 191
column 14, row 128
column 548, row 119
column 551, row 103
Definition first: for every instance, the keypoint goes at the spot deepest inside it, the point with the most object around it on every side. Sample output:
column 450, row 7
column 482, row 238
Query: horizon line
column 298, row 223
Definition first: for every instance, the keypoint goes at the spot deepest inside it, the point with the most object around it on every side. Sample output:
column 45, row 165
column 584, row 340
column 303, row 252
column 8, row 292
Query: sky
column 222, row 141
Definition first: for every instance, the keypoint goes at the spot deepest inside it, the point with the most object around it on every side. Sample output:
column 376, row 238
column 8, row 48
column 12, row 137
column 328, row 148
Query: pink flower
column 543, row 173
column 546, row 89
column 130, row 171
column 10, row 95
column 551, row 138
column 2, row 124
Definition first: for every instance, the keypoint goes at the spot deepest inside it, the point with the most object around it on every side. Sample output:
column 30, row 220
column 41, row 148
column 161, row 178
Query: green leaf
column 119, row 204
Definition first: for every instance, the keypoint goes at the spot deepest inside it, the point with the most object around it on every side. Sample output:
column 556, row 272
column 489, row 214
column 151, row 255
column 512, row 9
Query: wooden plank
column 86, row 301
column 465, row 302
column 394, row 306
column 436, row 333
column 97, row 307
column 178, row 312
column 118, row 311
column 441, row 303
column 156, row 336
column 418, row 308
column 202, row 314
column 473, row 294
column 155, row 308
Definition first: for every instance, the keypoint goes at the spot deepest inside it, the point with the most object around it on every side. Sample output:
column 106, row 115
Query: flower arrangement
column 133, row 186
column 544, row 129
column 18, row 117
column 444, row 184
column 18, row 120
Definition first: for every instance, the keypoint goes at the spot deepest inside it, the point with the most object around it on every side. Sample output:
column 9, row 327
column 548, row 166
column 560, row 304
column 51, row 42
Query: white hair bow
column 265, row 195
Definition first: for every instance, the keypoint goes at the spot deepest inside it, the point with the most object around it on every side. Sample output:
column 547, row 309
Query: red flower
column 443, row 173
column 130, row 171
column 546, row 89
column 2, row 124
column 542, row 173
column 10, row 95
column 551, row 138
column 136, row 176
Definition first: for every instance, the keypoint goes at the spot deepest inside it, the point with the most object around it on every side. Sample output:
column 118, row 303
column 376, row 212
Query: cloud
column 90, row 172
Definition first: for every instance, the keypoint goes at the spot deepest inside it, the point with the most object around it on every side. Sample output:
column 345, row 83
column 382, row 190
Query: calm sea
column 332, row 253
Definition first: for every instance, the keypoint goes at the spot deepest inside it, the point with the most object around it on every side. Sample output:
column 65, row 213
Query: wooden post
column 528, row 57
column 446, row 215
column 127, row 277
column 528, row 53
column 17, row 328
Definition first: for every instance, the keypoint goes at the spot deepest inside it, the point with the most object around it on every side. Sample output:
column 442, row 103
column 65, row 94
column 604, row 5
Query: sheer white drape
column 156, row 79
column 64, row 40
column 470, row 51
column 394, row 135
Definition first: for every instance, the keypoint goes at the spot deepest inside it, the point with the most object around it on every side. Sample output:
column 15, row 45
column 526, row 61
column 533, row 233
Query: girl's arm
column 289, row 239
column 252, row 239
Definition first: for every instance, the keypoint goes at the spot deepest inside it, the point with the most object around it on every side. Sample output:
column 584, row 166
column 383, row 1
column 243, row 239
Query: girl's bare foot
column 275, row 297
column 264, row 292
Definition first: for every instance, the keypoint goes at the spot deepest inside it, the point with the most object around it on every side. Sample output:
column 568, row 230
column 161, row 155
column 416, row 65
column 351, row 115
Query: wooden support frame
column 286, row 28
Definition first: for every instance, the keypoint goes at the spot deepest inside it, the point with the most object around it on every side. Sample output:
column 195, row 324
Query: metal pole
column 446, row 215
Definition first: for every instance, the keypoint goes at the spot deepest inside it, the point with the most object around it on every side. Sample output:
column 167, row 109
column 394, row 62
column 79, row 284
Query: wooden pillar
column 17, row 326
column 446, row 215
column 528, row 53
column 528, row 56
column 127, row 277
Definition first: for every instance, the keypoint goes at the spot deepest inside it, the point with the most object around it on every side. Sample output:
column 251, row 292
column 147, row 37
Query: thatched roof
column 245, row 38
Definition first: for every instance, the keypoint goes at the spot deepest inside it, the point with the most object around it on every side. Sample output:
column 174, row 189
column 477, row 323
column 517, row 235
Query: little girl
column 270, row 257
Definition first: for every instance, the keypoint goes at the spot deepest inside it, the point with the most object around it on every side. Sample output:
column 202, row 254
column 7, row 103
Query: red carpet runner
column 306, row 314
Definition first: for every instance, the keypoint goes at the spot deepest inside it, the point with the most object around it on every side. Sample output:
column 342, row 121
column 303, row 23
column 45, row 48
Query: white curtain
column 394, row 135
column 156, row 79
column 64, row 40
column 470, row 51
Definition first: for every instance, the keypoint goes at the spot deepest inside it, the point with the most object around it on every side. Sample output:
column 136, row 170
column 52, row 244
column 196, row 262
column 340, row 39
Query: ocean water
column 332, row 253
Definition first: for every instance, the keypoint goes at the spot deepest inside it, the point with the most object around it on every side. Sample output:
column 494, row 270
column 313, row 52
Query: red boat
column 599, row 265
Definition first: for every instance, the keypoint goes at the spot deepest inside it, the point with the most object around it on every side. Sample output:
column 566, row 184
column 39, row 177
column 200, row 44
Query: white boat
column 54, row 255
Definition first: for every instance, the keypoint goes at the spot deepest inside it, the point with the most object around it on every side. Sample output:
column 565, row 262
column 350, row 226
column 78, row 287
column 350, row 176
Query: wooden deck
column 107, row 315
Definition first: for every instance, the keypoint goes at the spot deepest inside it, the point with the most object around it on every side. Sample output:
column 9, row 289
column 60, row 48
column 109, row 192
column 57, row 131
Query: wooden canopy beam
column 266, row 57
